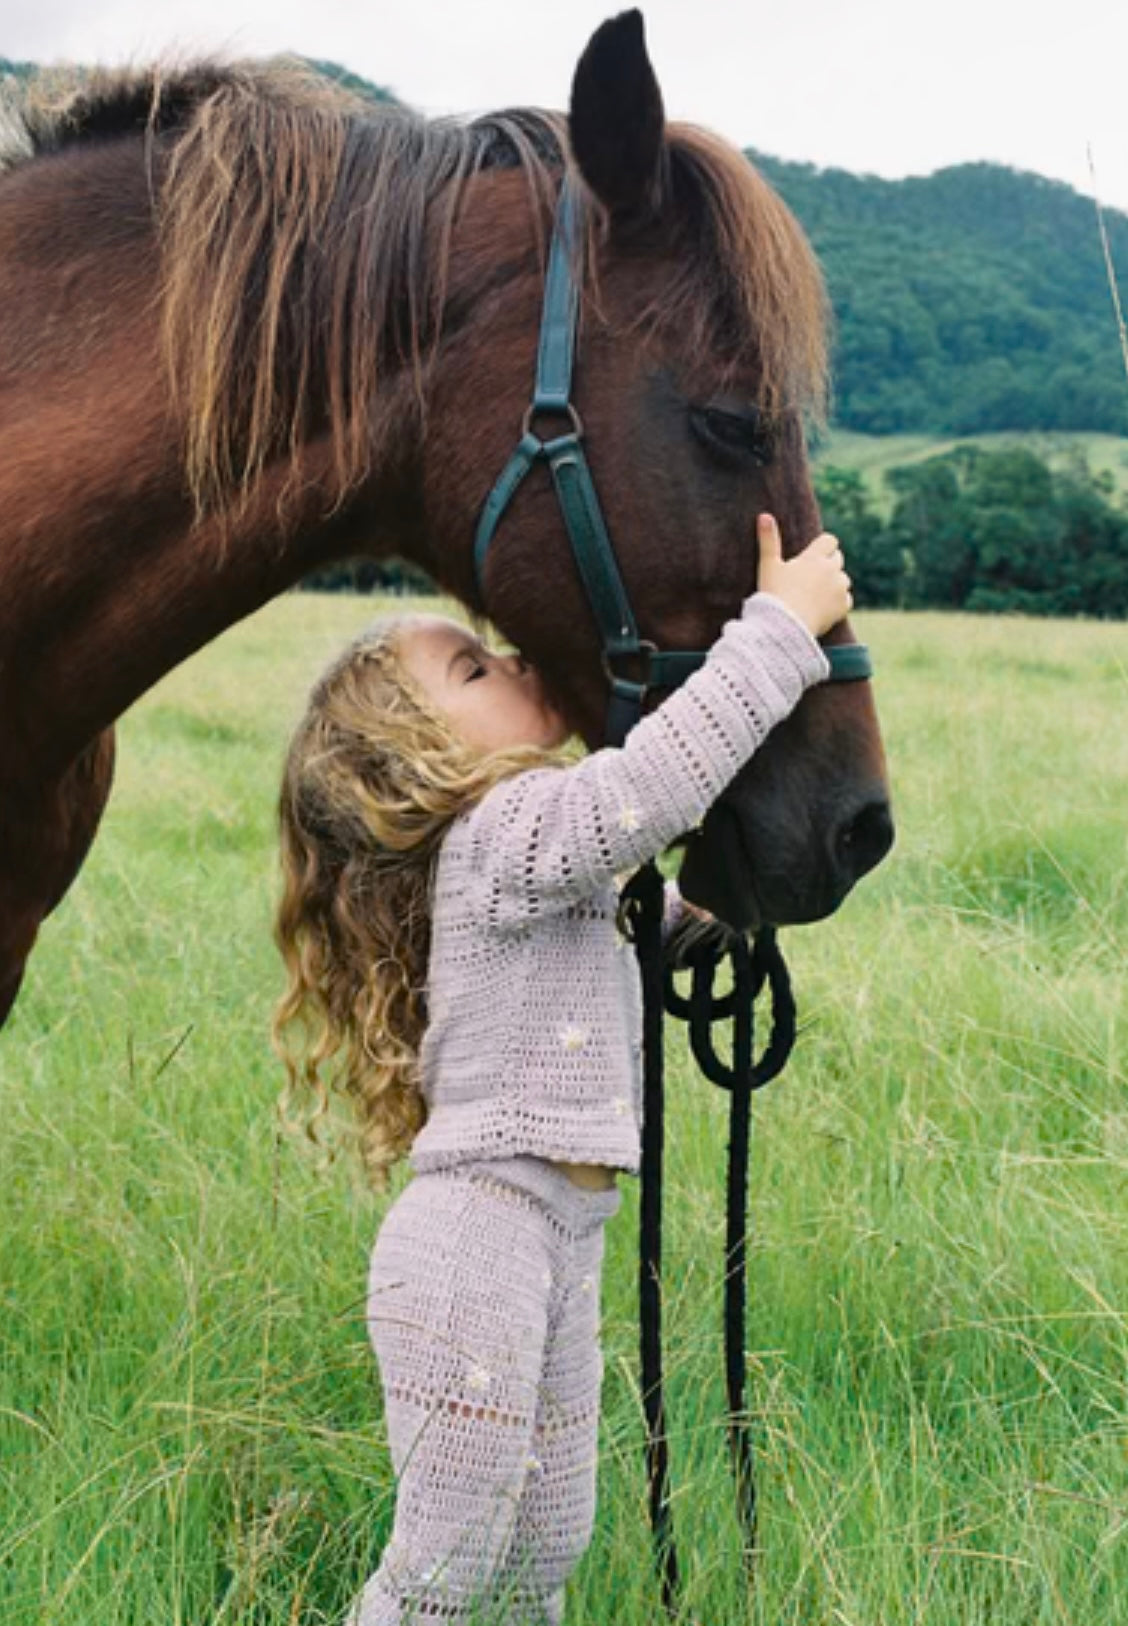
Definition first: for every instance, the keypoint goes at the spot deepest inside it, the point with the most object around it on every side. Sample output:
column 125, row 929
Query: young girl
column 449, row 928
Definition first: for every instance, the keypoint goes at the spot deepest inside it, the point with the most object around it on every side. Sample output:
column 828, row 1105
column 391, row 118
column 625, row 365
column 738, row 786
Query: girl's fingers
column 767, row 531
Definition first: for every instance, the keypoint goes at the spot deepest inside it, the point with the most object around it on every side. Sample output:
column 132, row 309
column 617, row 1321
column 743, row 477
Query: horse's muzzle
column 751, row 875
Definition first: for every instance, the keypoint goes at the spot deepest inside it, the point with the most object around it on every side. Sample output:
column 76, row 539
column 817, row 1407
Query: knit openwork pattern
column 534, row 1033
column 483, row 1309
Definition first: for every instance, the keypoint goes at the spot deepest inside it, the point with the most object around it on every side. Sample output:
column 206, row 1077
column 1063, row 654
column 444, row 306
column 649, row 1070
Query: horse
column 251, row 324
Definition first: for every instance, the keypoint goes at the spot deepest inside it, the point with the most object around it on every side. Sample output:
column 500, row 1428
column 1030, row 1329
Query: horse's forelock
column 750, row 286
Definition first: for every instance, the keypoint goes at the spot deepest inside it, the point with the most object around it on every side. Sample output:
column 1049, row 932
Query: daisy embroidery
column 573, row 1037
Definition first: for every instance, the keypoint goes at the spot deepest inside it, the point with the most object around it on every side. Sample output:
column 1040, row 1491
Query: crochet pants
column 483, row 1311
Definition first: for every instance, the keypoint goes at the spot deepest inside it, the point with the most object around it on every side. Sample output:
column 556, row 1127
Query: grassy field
column 190, row 1431
column 873, row 455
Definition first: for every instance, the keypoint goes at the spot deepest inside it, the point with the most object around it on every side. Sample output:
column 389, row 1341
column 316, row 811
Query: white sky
column 891, row 87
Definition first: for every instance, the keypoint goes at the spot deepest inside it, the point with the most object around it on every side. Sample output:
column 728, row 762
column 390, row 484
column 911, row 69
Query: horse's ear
column 617, row 121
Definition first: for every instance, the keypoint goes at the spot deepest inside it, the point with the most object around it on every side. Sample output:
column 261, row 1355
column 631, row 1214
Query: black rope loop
column 703, row 1009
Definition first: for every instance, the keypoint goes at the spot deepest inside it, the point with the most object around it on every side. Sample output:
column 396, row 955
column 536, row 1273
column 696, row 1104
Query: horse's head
column 700, row 353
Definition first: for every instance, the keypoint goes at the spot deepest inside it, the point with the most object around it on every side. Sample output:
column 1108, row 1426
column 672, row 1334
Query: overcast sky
column 887, row 86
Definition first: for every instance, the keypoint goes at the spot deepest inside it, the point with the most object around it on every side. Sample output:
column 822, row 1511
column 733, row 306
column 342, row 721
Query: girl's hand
column 814, row 585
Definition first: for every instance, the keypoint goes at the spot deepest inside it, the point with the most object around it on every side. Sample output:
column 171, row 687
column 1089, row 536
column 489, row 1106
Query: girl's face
column 492, row 701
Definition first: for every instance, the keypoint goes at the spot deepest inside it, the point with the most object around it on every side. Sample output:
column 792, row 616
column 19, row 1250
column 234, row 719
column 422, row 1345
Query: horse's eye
column 733, row 437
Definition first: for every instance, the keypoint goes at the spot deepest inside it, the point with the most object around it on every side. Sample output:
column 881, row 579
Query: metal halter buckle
column 567, row 410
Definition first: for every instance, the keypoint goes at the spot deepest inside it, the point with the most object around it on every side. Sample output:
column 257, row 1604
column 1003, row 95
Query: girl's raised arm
column 548, row 838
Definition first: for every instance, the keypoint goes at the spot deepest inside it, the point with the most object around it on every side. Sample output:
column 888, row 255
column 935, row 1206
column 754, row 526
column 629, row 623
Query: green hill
column 972, row 300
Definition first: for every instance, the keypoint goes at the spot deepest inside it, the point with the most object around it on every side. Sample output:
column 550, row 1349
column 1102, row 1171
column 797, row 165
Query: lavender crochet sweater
column 534, row 1003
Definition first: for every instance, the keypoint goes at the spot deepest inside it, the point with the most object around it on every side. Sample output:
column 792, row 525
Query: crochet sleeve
column 547, row 839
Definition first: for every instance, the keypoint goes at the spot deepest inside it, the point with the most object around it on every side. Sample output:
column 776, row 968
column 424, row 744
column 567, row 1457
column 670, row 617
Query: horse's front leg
column 11, row 975
column 46, row 831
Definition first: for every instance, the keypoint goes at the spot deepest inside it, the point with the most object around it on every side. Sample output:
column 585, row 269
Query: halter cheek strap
column 579, row 503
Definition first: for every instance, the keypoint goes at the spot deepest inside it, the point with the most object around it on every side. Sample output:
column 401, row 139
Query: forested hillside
column 969, row 300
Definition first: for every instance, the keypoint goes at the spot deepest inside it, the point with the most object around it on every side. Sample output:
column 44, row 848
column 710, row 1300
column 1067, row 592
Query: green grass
column 874, row 455
column 190, row 1429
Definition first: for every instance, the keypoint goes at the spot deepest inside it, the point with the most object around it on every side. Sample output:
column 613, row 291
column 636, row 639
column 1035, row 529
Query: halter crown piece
column 752, row 966
column 579, row 503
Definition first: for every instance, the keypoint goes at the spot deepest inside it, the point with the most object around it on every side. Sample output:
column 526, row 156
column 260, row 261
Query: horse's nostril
column 863, row 840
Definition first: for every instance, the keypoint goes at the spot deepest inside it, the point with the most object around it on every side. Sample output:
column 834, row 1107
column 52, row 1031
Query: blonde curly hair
column 373, row 778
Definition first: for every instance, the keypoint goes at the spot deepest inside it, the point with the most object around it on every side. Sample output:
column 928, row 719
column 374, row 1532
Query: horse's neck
column 133, row 590
column 106, row 581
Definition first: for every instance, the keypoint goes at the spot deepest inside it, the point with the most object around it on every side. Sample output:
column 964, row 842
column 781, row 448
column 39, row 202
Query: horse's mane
column 305, row 235
column 57, row 107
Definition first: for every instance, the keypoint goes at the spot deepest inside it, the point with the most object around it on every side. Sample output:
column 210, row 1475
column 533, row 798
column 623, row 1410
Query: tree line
column 982, row 530
column 988, row 531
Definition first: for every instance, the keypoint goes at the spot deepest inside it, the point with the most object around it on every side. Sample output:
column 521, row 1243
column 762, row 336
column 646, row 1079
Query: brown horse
column 249, row 325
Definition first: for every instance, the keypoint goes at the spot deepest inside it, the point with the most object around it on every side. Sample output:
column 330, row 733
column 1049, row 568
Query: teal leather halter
column 579, row 504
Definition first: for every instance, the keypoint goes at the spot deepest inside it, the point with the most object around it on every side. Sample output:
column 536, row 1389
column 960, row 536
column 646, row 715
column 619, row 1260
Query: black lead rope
column 752, row 967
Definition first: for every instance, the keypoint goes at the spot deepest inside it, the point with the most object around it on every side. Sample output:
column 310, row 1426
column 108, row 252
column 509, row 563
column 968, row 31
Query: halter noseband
column 579, row 504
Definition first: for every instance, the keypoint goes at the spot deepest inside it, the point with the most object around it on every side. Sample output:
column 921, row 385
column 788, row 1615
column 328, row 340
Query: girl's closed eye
column 471, row 661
